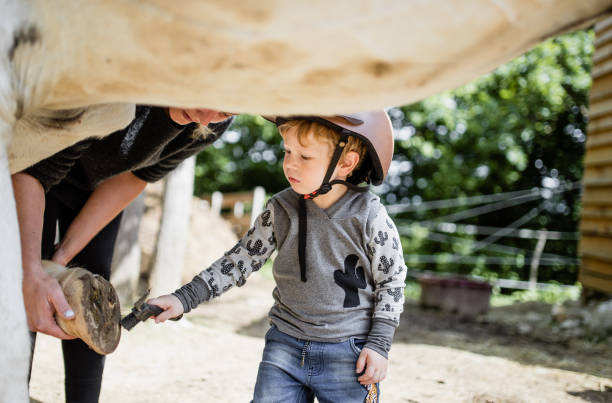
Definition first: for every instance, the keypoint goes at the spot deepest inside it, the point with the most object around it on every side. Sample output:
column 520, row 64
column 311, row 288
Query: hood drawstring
column 302, row 228
column 325, row 187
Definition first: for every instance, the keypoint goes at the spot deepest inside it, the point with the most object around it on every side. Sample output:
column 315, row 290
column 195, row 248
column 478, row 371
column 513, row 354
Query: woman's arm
column 106, row 201
column 42, row 294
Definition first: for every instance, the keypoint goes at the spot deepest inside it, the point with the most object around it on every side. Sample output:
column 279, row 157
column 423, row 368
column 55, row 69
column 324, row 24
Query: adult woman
column 82, row 190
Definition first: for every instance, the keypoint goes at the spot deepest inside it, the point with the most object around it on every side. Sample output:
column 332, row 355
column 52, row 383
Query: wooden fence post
column 535, row 261
column 174, row 229
column 259, row 195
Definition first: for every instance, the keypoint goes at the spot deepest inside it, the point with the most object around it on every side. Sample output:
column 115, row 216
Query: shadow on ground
column 504, row 332
column 520, row 332
column 257, row 328
column 594, row 396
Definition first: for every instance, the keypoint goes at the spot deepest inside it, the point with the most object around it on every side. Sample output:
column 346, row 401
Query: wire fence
column 446, row 229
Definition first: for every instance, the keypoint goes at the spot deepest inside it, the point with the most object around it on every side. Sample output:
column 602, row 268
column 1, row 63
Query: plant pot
column 466, row 297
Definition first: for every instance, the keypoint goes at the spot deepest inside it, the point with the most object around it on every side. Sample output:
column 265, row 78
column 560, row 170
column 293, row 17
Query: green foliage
column 412, row 291
column 555, row 294
column 247, row 155
column 266, row 269
column 519, row 127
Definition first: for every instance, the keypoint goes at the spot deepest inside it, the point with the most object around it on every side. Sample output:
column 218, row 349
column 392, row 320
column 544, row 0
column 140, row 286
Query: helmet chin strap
column 325, row 187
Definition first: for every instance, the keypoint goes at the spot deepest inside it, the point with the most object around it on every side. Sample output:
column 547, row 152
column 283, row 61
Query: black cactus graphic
column 213, row 287
column 242, row 279
column 235, row 249
column 385, row 264
column 226, row 267
column 371, row 250
column 351, row 279
column 265, row 218
column 395, row 244
column 396, row 293
column 255, row 249
column 381, row 238
column 256, row 265
column 386, row 281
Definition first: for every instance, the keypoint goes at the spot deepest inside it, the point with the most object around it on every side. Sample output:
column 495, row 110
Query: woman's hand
column 42, row 296
column 375, row 367
column 170, row 304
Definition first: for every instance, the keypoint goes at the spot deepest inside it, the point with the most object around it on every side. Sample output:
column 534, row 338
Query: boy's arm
column 233, row 268
column 389, row 274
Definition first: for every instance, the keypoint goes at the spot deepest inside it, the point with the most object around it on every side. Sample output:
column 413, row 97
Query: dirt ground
column 214, row 355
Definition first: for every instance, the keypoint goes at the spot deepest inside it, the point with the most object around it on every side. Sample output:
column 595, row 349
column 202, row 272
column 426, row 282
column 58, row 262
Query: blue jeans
column 295, row 370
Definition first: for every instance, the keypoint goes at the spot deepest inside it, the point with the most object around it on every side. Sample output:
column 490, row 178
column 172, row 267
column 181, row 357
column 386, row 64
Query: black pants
column 83, row 366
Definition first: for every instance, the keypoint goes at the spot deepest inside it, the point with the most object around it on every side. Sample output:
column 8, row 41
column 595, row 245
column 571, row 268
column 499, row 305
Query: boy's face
column 305, row 165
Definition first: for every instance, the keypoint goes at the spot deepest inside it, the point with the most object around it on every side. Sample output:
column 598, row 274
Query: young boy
column 339, row 270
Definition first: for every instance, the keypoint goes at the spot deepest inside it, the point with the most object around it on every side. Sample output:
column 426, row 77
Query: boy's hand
column 375, row 367
column 170, row 304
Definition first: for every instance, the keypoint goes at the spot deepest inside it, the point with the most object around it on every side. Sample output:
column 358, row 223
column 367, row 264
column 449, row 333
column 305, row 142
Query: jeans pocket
column 356, row 345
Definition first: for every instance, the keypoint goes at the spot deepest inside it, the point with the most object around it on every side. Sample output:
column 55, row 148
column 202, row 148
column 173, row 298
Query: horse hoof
column 95, row 304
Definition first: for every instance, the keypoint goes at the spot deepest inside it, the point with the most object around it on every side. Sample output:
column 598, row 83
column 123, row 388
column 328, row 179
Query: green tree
column 249, row 154
column 519, row 127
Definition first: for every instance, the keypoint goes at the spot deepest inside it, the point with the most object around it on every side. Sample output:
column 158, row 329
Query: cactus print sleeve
column 233, row 268
column 389, row 275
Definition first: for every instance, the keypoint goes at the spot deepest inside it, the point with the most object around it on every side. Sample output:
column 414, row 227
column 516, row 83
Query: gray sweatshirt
column 354, row 267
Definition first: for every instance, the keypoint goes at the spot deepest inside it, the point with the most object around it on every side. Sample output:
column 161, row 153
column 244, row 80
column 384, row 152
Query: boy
column 339, row 270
